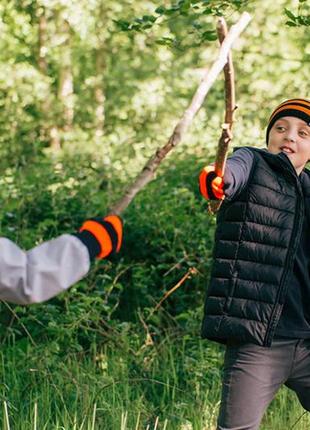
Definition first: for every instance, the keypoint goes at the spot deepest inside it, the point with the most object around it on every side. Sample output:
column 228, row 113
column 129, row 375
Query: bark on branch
column 208, row 80
column 230, row 104
column 230, row 107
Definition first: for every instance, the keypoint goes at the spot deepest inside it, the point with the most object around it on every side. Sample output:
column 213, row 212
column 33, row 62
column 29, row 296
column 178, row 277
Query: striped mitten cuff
column 102, row 236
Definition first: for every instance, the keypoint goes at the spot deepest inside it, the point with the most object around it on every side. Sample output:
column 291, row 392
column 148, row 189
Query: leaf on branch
column 197, row 25
column 122, row 24
column 290, row 14
column 208, row 11
column 296, row 20
column 304, row 20
column 171, row 11
column 209, row 35
column 160, row 10
column 291, row 23
column 149, row 18
column 168, row 41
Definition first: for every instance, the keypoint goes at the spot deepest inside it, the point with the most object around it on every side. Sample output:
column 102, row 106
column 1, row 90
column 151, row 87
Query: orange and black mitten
column 102, row 236
column 211, row 185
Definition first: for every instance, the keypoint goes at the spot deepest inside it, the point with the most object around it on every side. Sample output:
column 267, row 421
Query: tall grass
column 174, row 384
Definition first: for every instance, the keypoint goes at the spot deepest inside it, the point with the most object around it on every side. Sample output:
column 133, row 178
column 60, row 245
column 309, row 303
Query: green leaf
column 289, row 14
column 303, row 20
column 165, row 41
column 291, row 23
column 136, row 27
column 197, row 25
column 149, row 18
column 147, row 26
column 160, row 10
column 209, row 35
column 171, row 11
column 123, row 25
column 208, row 11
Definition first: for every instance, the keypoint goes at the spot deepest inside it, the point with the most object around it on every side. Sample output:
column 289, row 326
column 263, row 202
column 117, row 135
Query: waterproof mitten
column 102, row 236
column 211, row 185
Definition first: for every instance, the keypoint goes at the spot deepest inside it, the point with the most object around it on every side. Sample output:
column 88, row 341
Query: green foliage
column 176, row 380
column 89, row 344
column 302, row 18
column 54, row 197
column 147, row 87
column 192, row 14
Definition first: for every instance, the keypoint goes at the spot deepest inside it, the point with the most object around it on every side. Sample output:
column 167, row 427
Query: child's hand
column 211, row 185
column 105, row 234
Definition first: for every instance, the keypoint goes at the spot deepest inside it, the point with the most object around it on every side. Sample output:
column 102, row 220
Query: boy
column 52, row 267
column 258, row 301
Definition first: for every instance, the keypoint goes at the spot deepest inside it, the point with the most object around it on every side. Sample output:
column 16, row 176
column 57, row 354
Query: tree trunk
column 42, row 41
column 46, row 133
column 99, row 95
column 65, row 88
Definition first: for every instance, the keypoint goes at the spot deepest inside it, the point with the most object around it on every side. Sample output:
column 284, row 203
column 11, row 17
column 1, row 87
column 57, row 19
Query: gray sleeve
column 42, row 272
column 237, row 172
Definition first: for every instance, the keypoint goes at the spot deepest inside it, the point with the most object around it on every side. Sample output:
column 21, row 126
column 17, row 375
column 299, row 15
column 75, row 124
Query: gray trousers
column 252, row 376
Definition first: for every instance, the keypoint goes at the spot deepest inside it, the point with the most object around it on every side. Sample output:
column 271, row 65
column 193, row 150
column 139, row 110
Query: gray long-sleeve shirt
column 295, row 318
column 237, row 172
column 43, row 272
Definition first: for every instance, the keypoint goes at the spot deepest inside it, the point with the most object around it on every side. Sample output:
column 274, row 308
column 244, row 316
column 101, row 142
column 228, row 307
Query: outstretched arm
column 50, row 268
column 236, row 175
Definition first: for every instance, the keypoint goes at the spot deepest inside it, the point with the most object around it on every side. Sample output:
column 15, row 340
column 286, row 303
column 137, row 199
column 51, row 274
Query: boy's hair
column 299, row 108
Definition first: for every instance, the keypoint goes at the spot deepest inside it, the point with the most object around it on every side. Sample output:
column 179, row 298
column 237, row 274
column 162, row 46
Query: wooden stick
column 230, row 107
column 230, row 104
column 191, row 271
column 148, row 341
column 147, row 173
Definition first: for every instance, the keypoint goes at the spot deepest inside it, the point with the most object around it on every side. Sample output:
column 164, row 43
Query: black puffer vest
column 255, row 246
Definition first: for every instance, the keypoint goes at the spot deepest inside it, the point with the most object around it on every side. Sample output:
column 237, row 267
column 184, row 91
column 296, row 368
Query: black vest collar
column 282, row 162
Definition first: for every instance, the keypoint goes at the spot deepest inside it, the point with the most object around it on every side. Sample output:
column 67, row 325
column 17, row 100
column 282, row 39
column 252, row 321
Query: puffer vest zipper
column 255, row 246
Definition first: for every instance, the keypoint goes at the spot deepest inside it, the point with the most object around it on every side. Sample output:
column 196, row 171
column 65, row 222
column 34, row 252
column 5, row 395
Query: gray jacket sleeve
column 42, row 272
column 237, row 172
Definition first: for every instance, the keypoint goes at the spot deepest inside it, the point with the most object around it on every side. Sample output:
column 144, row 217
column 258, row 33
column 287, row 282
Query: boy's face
column 291, row 135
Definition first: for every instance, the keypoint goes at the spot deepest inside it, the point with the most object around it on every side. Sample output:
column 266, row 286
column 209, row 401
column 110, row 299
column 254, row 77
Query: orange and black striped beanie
column 300, row 108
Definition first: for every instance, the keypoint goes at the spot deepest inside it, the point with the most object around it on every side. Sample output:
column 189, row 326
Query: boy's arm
column 52, row 267
column 237, row 172
column 236, row 175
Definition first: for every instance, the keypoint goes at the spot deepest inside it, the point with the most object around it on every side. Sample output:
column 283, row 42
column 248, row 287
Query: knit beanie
column 299, row 108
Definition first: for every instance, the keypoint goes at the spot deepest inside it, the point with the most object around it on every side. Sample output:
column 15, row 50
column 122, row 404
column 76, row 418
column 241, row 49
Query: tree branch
column 230, row 107
column 230, row 104
column 147, row 173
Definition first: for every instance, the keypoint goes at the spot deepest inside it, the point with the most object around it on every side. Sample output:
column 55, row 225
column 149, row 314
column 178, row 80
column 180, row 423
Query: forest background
column 89, row 89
